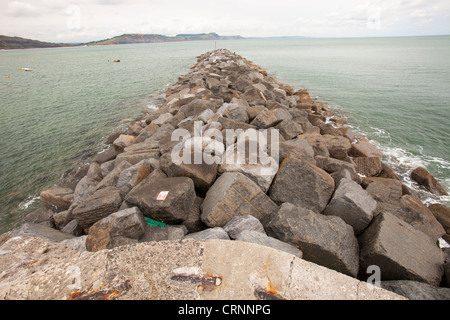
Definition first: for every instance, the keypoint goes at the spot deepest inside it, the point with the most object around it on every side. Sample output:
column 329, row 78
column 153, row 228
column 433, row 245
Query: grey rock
column 240, row 223
column 128, row 223
column 414, row 290
column 208, row 234
column 40, row 231
column 265, row 119
column 264, row 240
column 400, row 251
column 297, row 148
column 73, row 228
column 97, row 206
column 41, row 216
column 300, row 183
column 174, row 208
column 231, row 195
column 353, row 204
column 325, row 240
column 289, row 129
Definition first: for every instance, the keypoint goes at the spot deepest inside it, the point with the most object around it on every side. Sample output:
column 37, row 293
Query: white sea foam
column 28, row 202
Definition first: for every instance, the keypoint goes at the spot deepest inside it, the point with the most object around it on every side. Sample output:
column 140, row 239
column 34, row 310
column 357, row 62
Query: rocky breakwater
column 233, row 154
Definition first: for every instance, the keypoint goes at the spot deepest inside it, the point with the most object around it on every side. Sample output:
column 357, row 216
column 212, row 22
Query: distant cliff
column 7, row 42
column 21, row 43
column 151, row 38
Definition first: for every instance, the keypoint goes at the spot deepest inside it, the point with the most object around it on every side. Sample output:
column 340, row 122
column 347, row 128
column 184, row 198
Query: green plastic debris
column 155, row 223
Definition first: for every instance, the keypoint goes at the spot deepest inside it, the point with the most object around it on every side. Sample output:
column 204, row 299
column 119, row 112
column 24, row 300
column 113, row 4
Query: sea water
column 55, row 118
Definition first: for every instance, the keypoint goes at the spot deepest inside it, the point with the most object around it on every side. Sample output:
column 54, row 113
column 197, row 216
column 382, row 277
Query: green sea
column 55, row 118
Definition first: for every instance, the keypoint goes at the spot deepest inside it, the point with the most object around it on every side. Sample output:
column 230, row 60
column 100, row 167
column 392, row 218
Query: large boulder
column 302, row 184
column 384, row 189
column 353, row 204
column 265, row 119
column 297, row 148
column 202, row 174
column 60, row 197
column 400, row 251
column 97, row 206
column 240, row 223
column 368, row 166
column 325, row 240
column 208, row 234
column 234, row 194
column 164, row 199
column 139, row 151
column 289, row 129
column 128, row 223
column 426, row 180
column 442, row 214
column 364, row 148
column 414, row 290
column 337, row 146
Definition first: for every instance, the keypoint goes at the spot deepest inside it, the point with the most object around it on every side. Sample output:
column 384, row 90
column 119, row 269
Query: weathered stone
column 42, row 216
column 264, row 240
column 289, row 129
column 62, row 218
column 302, row 184
column 95, row 172
column 136, row 128
column 77, row 243
column 331, row 165
column 325, row 240
column 59, row 197
column 106, row 155
column 337, row 146
column 208, row 234
column 383, row 189
column 127, row 223
column 352, row 204
column 400, row 251
column 257, row 165
column 131, row 176
column 197, row 106
column 124, row 141
column 253, row 96
column 179, row 195
column 166, row 233
column 317, row 142
column 193, row 223
column 113, row 177
column 162, row 119
column 73, row 228
column 364, row 148
column 297, row 148
column 140, row 151
column 84, row 189
column 368, row 166
column 426, row 179
column 414, row 290
column 282, row 114
column 40, row 231
column 234, row 125
column 265, row 119
column 202, row 174
column 442, row 214
column 110, row 139
column 240, row 223
column 231, row 195
column 238, row 114
column 97, row 206
column 253, row 111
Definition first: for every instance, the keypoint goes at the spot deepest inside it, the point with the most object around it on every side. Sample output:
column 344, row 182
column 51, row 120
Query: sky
column 72, row 21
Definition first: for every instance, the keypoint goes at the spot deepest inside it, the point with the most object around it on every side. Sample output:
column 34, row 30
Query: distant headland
column 7, row 42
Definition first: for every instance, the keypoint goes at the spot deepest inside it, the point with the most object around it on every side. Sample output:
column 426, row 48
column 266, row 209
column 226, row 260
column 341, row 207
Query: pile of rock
column 327, row 196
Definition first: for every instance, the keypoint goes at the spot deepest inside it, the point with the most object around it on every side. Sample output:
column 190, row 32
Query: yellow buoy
column 7, row 77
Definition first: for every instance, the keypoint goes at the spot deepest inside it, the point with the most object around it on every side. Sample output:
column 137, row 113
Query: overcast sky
column 83, row 20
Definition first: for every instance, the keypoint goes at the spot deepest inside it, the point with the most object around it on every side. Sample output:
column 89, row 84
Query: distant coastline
column 7, row 42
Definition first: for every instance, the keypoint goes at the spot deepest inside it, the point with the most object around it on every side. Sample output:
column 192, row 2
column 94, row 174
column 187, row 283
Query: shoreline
column 322, row 166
